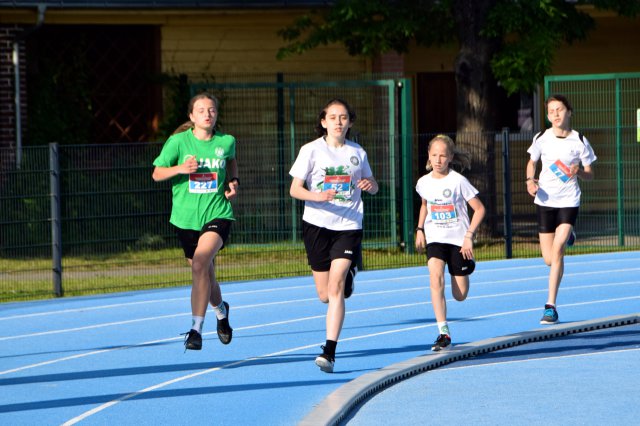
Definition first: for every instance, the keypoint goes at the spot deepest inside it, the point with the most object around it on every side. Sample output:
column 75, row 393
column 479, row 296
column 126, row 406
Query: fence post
column 56, row 223
column 506, row 188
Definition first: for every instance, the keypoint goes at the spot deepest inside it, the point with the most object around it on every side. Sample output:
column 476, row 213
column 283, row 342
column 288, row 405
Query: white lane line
column 401, row 278
column 111, row 403
column 285, row 302
column 291, row 321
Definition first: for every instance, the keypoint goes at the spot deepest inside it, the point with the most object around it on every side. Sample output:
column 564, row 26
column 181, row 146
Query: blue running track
column 119, row 359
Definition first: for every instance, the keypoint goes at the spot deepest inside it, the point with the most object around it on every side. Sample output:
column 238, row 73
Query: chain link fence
column 82, row 219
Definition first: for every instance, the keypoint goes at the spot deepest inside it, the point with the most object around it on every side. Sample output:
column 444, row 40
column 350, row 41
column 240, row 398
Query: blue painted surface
column 119, row 359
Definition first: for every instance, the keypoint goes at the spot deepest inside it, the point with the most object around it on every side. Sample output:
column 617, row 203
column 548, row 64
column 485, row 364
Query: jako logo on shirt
column 348, row 252
column 212, row 163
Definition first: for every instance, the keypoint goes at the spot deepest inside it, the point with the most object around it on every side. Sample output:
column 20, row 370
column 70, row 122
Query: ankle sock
column 220, row 310
column 330, row 348
column 443, row 328
column 196, row 323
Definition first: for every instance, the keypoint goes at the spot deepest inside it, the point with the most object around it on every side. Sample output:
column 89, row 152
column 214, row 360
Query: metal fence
column 80, row 219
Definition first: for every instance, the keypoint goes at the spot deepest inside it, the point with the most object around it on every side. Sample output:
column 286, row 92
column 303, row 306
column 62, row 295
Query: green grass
column 30, row 279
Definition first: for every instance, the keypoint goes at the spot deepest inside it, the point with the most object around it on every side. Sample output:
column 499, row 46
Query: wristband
column 419, row 229
column 236, row 180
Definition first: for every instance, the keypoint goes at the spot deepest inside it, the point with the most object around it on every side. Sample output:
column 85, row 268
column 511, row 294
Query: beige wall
column 214, row 42
column 243, row 43
column 614, row 46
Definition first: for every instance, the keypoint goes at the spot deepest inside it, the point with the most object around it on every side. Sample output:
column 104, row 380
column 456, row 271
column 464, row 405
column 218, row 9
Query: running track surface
column 119, row 359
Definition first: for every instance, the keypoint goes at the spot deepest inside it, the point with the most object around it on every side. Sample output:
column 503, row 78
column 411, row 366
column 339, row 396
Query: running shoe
column 192, row 340
column 325, row 362
column 550, row 315
column 442, row 342
column 225, row 332
column 572, row 238
column 349, row 283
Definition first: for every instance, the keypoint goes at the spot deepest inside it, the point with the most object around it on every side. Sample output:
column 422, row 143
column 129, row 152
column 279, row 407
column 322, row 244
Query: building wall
column 212, row 43
column 611, row 47
column 8, row 34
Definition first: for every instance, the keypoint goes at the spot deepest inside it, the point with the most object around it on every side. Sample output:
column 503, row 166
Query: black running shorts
column 324, row 245
column 550, row 217
column 189, row 238
column 450, row 254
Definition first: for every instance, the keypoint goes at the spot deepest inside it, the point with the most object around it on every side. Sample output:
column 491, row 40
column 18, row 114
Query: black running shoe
column 192, row 340
column 442, row 342
column 225, row 332
column 550, row 315
column 349, row 283
column 325, row 362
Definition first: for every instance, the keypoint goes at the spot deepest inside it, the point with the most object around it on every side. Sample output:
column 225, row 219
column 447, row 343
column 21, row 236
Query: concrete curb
column 337, row 405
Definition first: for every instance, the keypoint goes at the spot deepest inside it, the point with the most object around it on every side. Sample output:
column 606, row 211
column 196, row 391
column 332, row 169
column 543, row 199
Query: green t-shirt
column 198, row 198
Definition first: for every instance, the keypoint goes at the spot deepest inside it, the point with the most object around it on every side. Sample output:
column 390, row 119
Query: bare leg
column 552, row 246
column 436, row 284
column 330, row 289
column 203, row 289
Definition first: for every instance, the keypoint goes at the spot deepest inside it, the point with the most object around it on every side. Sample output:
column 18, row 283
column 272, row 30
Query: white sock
column 443, row 328
column 220, row 310
column 196, row 323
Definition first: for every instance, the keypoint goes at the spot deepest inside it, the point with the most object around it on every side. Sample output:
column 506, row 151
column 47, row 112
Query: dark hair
column 189, row 124
column 321, row 131
column 559, row 98
column 460, row 158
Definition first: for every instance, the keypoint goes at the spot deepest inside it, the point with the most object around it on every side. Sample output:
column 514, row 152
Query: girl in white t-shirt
column 444, row 228
column 329, row 175
column 556, row 191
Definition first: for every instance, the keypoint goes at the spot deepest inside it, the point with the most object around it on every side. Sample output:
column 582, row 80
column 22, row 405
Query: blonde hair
column 460, row 158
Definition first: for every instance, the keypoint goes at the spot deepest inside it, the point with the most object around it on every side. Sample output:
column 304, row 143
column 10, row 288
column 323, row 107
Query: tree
column 510, row 43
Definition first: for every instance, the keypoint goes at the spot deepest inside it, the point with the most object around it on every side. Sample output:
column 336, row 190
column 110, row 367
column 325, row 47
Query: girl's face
column 558, row 114
column 204, row 114
column 439, row 157
column 336, row 121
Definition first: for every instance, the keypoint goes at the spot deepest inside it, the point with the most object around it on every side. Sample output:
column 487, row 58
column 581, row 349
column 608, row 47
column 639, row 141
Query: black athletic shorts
column 189, row 238
column 450, row 254
column 324, row 245
column 550, row 217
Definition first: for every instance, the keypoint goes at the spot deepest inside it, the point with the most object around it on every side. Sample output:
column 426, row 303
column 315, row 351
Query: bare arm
column 585, row 174
column 469, row 237
column 369, row 185
column 299, row 192
column 421, row 239
column 163, row 173
column 232, row 173
column 532, row 183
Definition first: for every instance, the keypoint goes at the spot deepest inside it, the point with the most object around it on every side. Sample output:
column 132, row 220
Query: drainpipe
column 16, row 73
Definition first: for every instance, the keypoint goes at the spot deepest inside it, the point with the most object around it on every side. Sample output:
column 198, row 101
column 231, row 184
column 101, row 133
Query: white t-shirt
column 447, row 211
column 556, row 187
column 323, row 167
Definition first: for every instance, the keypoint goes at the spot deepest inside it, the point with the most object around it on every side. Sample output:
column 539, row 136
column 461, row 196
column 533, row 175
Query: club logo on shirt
column 354, row 160
column 219, row 151
column 446, row 193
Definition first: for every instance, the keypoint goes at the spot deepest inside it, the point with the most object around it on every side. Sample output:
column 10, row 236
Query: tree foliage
column 527, row 32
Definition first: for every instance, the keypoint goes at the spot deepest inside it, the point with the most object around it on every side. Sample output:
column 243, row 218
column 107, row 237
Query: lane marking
column 311, row 299
column 111, row 403
column 409, row 277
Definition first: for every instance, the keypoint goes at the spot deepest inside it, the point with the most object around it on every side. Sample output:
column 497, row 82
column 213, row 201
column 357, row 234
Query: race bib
column 340, row 183
column 443, row 213
column 203, row 183
column 561, row 171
